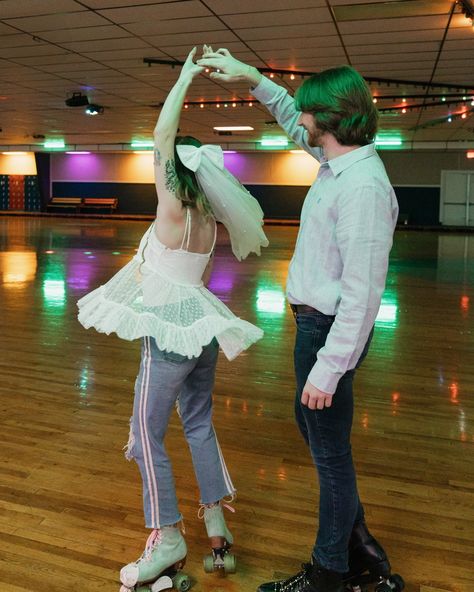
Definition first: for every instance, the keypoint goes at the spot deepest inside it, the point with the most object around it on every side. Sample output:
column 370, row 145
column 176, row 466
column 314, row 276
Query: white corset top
column 178, row 266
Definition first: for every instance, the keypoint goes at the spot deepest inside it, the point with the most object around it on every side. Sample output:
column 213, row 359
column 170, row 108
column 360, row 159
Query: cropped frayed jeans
column 164, row 378
column 327, row 433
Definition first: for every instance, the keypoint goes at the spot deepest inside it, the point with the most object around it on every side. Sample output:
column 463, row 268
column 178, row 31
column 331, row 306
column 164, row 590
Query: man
column 335, row 283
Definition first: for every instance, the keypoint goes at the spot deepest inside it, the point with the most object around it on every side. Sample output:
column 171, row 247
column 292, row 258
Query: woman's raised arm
column 165, row 133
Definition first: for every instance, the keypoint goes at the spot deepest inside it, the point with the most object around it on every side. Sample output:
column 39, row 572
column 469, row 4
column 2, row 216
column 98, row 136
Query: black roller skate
column 369, row 564
column 312, row 578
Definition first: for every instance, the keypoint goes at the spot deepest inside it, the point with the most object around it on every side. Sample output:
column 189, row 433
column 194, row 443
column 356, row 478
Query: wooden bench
column 100, row 202
column 65, row 202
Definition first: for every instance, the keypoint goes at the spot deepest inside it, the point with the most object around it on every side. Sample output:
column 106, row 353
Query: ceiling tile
column 395, row 24
column 279, row 17
column 98, row 4
column 22, row 8
column 81, row 34
column 287, row 32
column 392, row 38
column 38, row 49
column 166, row 27
column 351, row 11
column 99, row 45
column 57, row 21
column 186, row 9
column 318, row 42
column 223, row 7
column 188, row 40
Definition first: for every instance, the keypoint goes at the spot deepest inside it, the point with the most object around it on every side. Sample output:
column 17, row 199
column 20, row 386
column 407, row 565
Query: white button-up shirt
column 340, row 261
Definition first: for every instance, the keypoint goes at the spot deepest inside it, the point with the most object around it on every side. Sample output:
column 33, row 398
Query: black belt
column 306, row 309
column 302, row 308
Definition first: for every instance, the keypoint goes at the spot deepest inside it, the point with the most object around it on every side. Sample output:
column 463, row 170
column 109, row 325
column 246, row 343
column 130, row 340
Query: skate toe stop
column 129, row 575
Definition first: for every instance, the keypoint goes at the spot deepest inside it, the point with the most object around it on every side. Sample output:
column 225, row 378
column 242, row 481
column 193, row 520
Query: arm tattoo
column 157, row 157
column 170, row 176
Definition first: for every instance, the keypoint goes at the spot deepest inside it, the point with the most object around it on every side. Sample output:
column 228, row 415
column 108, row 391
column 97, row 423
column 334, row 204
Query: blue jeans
column 163, row 377
column 327, row 433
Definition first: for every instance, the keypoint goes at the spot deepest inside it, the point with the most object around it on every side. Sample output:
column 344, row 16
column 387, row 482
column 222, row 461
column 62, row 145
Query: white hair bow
column 231, row 203
column 191, row 156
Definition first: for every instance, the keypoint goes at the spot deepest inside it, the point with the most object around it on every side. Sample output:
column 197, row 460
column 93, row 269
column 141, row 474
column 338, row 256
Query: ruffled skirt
column 182, row 319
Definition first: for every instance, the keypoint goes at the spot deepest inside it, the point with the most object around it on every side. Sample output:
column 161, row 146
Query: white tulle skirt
column 181, row 318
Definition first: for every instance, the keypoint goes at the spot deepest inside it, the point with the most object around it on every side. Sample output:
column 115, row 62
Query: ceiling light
column 470, row 154
column 14, row 153
column 54, row 144
column 276, row 142
column 140, row 144
column 77, row 152
column 388, row 141
column 233, row 128
column 93, row 109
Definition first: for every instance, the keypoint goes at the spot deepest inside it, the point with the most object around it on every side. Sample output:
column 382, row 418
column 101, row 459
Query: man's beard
column 314, row 138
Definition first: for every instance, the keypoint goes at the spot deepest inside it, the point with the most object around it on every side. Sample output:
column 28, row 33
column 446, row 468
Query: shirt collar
column 340, row 163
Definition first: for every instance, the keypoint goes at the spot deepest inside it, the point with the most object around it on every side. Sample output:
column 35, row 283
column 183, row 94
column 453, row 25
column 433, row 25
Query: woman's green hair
column 188, row 190
column 342, row 105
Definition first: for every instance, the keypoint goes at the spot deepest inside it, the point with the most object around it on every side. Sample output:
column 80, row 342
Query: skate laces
column 204, row 507
column 152, row 542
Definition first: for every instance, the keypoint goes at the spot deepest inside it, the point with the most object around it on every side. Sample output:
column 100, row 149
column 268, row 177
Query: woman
column 159, row 296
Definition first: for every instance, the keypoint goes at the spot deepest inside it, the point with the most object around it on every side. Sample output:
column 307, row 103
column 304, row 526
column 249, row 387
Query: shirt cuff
column 323, row 380
column 265, row 89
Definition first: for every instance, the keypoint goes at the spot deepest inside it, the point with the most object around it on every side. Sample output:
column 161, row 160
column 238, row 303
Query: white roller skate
column 221, row 560
column 159, row 566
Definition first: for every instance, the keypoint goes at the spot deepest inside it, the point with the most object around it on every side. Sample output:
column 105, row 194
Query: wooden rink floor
column 70, row 504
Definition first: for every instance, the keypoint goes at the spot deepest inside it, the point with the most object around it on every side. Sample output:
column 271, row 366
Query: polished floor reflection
column 70, row 505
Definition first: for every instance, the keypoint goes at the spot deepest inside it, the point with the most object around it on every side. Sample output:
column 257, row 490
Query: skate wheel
column 229, row 563
column 181, row 582
column 397, row 582
column 208, row 563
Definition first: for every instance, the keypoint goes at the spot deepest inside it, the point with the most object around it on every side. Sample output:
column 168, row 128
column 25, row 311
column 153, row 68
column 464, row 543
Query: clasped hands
column 225, row 68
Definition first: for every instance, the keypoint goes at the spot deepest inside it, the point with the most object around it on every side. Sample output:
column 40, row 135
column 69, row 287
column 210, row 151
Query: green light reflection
column 271, row 299
column 388, row 314
column 54, row 285
column 54, row 292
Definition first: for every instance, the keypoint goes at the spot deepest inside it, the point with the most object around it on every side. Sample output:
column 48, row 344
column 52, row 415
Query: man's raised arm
column 276, row 98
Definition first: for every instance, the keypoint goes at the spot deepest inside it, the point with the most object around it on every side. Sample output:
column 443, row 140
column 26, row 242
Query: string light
column 271, row 72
